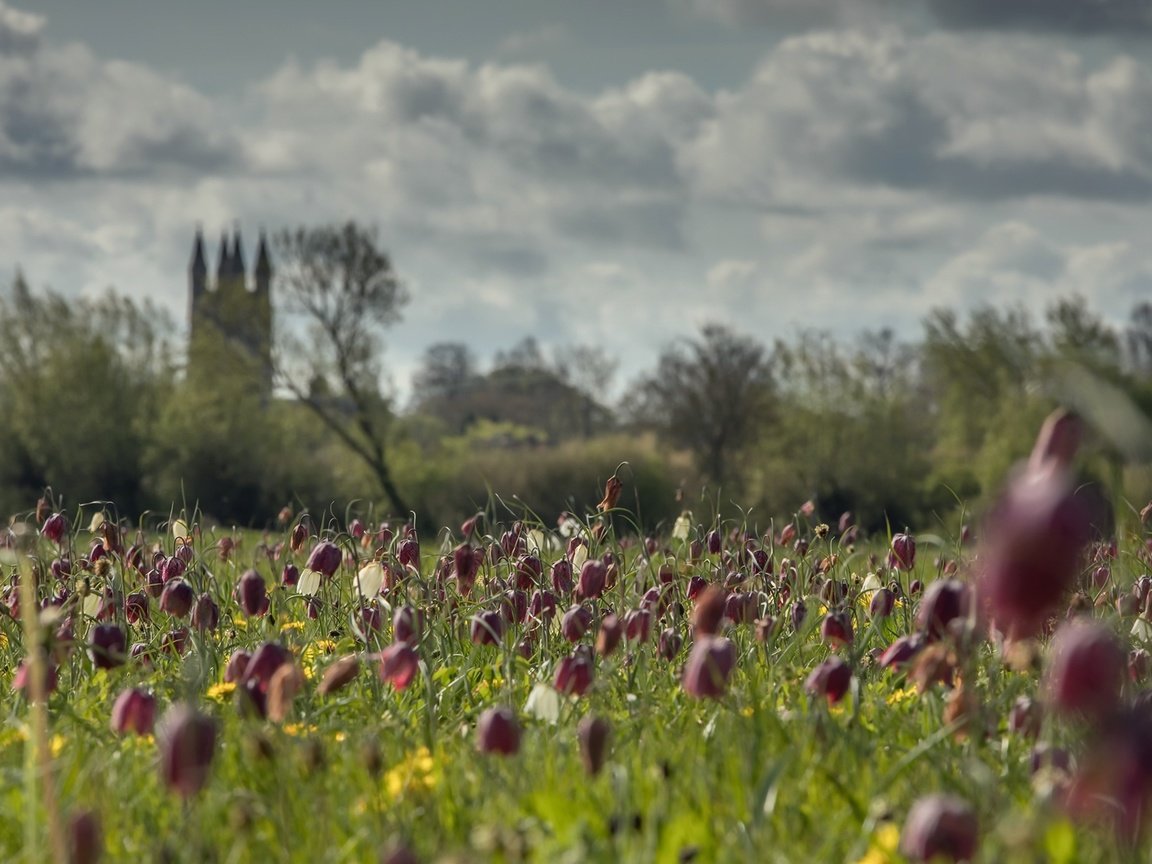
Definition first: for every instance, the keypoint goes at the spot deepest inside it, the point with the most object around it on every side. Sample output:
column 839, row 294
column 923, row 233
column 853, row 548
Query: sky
column 613, row 173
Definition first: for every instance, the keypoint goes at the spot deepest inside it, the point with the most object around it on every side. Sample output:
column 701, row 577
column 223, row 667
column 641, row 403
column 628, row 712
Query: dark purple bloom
column 940, row 828
column 186, row 740
column 498, row 732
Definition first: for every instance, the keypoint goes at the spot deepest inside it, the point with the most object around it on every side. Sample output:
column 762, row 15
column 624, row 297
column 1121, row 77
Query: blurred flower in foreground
column 187, row 742
column 709, row 666
column 1035, row 534
column 1086, row 670
column 940, row 828
column 498, row 732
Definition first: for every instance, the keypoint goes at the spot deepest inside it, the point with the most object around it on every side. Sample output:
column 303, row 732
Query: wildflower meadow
column 527, row 689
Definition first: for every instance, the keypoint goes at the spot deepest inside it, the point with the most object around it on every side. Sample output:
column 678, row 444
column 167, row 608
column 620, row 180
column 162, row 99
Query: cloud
column 989, row 117
column 19, row 31
column 1072, row 17
column 1075, row 18
column 66, row 114
column 531, row 42
column 1013, row 262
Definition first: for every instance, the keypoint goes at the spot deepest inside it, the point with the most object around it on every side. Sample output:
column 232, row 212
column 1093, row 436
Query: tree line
column 98, row 407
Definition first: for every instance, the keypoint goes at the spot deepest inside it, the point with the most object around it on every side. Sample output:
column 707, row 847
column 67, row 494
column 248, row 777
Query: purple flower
column 709, row 666
column 186, row 740
column 498, row 732
column 940, row 827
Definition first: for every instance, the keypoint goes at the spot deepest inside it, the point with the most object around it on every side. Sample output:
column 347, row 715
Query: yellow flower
column 747, row 711
column 313, row 653
column 240, row 622
column 298, row 729
column 900, row 697
column 882, row 845
column 417, row 773
column 220, row 692
column 339, row 736
column 484, row 689
column 57, row 745
column 291, row 625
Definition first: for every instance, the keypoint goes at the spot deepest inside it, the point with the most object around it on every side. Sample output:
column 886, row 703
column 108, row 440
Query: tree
column 710, row 395
column 446, row 372
column 344, row 287
column 79, row 379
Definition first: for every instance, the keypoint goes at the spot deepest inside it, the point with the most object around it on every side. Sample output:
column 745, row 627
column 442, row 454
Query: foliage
column 712, row 396
column 345, row 288
column 79, row 382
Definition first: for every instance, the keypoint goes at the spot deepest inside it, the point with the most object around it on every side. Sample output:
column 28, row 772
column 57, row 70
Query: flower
column 134, row 711
column 498, row 732
column 399, row 664
column 187, row 742
column 940, row 828
column 709, row 666
column 415, row 773
column 220, row 692
column 830, row 679
column 1036, row 534
column 1087, row 669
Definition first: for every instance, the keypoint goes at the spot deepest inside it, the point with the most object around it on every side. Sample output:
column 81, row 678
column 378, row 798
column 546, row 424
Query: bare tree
column 710, row 395
column 345, row 289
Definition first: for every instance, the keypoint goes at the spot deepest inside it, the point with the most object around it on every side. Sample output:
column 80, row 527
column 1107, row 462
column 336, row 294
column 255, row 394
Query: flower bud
column 669, row 644
column 136, row 607
column 593, row 575
column 709, row 666
column 107, row 646
column 831, row 679
column 562, row 577
column 236, row 666
column 407, row 624
column 573, row 674
column 1086, row 670
column 399, row 664
column 944, row 601
column 882, row 603
column 252, row 594
column 290, row 576
column 339, row 675
column 709, row 611
column 637, row 625
column 498, row 732
column 836, row 629
column 408, row 553
column 940, row 828
column 326, row 558
column 54, row 527
column 609, row 635
column 205, row 614
column 901, row 652
column 269, row 657
column 575, row 623
column 85, row 838
column 487, row 628
column 593, row 733
column 177, row 597
column 134, row 711
column 903, row 551
column 186, row 740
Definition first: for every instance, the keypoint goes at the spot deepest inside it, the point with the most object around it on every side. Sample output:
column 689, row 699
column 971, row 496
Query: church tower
column 230, row 325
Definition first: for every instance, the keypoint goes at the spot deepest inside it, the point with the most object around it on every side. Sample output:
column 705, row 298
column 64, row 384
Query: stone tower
column 230, row 322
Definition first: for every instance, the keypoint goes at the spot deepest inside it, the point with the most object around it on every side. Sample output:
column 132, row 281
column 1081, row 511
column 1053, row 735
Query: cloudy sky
column 608, row 172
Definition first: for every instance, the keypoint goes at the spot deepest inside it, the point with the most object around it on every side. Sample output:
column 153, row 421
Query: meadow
column 577, row 690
